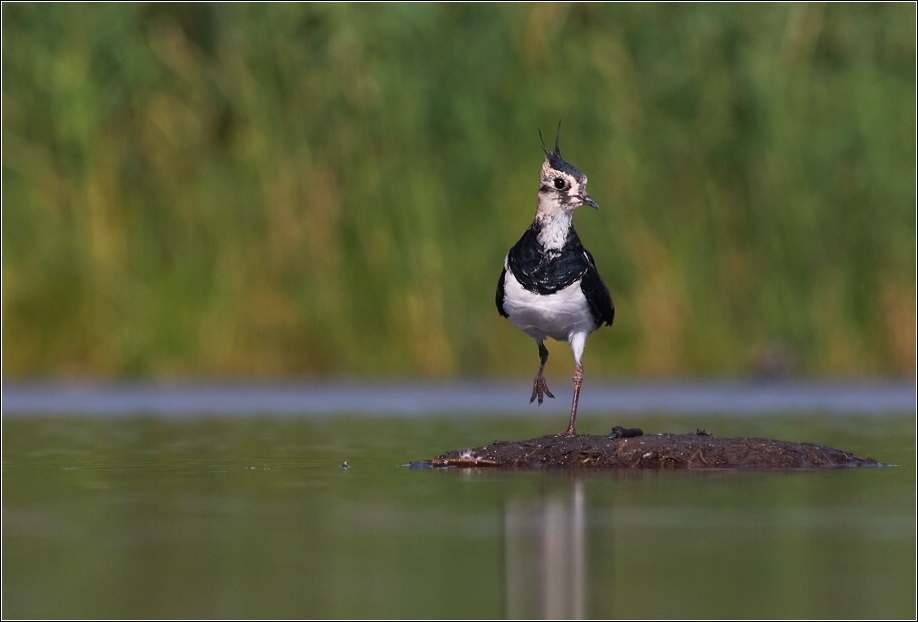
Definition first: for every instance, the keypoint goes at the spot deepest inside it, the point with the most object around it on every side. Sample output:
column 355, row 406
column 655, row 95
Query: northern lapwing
column 549, row 286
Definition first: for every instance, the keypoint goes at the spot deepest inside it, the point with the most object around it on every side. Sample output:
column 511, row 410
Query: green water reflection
column 239, row 518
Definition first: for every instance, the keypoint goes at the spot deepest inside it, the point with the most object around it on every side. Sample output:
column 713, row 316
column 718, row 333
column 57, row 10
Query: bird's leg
column 539, row 386
column 578, row 380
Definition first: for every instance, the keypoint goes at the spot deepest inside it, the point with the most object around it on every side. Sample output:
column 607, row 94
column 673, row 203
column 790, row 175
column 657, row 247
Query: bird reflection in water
column 545, row 555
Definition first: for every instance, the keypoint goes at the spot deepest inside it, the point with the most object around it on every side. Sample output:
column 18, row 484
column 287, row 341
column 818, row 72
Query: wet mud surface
column 631, row 449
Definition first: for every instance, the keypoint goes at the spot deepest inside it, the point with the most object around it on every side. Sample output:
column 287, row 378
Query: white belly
column 559, row 316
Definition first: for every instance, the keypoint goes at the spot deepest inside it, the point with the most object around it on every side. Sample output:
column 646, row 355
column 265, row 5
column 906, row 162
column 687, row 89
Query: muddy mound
column 631, row 449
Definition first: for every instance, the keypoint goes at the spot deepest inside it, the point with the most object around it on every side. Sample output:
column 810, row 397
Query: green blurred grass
column 207, row 190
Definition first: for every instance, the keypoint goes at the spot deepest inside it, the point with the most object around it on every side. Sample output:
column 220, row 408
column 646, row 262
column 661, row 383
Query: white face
column 562, row 187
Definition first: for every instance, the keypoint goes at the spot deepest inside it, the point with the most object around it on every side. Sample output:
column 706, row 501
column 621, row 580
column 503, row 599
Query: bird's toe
column 540, row 390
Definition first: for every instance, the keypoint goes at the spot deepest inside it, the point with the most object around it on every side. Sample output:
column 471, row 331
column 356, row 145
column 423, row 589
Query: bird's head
column 561, row 186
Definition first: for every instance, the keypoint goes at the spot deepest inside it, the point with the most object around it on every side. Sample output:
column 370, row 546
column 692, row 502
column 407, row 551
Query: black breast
column 544, row 271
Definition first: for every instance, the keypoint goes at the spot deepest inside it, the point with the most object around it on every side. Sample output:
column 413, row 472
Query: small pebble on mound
column 631, row 449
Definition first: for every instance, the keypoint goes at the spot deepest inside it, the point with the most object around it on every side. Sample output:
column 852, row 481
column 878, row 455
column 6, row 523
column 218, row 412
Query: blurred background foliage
column 284, row 190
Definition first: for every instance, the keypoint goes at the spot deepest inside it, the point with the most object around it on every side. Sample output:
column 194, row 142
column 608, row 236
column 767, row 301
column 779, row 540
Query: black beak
column 588, row 200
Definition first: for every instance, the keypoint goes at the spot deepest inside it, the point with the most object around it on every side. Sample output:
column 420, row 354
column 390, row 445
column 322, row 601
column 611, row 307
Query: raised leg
column 578, row 380
column 539, row 386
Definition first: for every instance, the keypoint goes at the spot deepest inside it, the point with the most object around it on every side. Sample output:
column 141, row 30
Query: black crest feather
column 554, row 157
column 557, row 151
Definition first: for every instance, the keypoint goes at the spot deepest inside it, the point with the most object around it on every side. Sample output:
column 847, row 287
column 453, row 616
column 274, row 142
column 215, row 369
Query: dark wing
column 597, row 294
column 500, row 293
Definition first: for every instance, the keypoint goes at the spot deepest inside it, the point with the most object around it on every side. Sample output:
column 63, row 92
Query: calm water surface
column 253, row 517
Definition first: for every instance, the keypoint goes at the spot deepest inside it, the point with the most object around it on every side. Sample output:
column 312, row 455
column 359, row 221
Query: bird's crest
column 554, row 158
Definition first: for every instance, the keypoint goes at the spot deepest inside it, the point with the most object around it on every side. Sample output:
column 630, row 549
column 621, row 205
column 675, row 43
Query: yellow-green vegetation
column 205, row 190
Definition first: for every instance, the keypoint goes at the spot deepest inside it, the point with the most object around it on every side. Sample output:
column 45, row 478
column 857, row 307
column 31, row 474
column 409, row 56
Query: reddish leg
column 578, row 380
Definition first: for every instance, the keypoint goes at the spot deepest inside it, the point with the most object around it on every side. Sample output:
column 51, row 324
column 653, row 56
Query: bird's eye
column 559, row 183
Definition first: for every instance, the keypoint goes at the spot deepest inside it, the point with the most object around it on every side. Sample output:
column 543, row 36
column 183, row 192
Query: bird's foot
column 540, row 389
